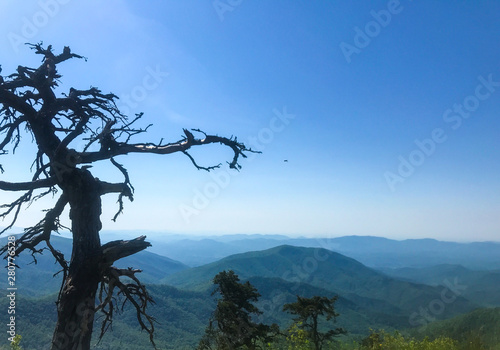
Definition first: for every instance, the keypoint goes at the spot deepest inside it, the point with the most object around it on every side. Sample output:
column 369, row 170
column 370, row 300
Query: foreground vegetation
column 183, row 315
column 312, row 328
column 477, row 330
column 296, row 339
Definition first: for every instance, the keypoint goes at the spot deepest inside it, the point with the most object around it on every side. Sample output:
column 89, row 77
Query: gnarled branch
column 134, row 293
column 41, row 232
column 182, row 145
column 27, row 186
column 15, row 207
column 115, row 250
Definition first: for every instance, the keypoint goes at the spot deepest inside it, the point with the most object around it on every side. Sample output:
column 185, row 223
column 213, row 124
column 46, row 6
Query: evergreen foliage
column 309, row 312
column 231, row 326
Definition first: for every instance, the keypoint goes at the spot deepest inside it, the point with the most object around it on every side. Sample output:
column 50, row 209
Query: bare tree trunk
column 76, row 307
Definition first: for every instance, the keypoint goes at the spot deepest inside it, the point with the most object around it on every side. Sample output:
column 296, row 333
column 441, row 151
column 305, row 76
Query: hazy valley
column 381, row 284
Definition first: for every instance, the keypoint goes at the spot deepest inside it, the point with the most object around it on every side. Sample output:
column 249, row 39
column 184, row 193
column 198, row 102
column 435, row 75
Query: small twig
column 201, row 167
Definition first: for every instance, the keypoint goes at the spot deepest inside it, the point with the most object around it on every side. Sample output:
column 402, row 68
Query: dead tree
column 30, row 105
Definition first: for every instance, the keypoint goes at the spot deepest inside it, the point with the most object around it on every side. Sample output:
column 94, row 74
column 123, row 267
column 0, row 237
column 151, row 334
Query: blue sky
column 387, row 112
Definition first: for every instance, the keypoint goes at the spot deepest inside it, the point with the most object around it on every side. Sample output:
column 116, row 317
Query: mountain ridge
column 325, row 269
column 41, row 278
column 367, row 296
column 372, row 251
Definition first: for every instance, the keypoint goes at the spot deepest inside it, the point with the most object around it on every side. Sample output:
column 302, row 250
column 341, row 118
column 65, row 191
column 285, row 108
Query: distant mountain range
column 404, row 290
column 339, row 275
column 374, row 252
column 35, row 280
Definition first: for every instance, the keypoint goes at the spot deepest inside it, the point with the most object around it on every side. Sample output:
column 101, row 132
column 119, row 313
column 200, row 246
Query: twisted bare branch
column 182, row 145
column 27, row 186
column 134, row 293
column 115, row 250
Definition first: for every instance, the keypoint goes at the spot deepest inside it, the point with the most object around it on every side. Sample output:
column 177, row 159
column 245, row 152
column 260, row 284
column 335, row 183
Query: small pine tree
column 308, row 311
column 231, row 326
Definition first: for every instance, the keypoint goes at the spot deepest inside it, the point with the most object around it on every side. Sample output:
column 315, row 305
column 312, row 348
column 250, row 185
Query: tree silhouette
column 57, row 125
column 308, row 311
column 231, row 326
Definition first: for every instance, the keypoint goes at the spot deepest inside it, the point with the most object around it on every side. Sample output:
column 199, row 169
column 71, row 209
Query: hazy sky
column 386, row 112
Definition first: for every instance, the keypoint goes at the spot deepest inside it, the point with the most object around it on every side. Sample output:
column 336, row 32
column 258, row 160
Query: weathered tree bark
column 76, row 306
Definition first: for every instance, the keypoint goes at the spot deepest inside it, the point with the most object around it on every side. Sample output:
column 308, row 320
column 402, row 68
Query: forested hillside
column 368, row 299
column 328, row 270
